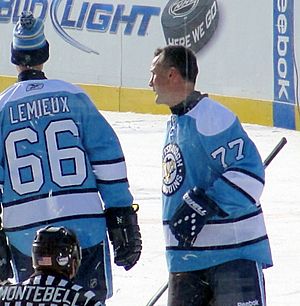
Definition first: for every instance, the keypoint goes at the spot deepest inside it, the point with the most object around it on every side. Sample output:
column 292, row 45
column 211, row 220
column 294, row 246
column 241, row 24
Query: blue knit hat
column 29, row 46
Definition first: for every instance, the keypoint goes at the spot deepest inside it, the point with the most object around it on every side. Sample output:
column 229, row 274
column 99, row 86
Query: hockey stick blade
column 275, row 151
column 267, row 161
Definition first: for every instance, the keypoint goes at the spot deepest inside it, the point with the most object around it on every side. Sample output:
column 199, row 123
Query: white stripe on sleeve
column 247, row 183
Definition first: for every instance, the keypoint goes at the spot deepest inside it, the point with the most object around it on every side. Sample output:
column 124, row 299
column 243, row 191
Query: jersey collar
column 186, row 105
column 31, row 75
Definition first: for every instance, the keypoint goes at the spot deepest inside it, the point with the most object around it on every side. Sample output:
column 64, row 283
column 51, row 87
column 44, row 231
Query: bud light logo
column 95, row 17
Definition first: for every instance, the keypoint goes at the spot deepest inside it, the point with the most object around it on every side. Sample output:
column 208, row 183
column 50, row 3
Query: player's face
column 160, row 82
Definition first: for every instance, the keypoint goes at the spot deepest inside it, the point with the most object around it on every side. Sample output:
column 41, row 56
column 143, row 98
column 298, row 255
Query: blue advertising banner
column 283, row 61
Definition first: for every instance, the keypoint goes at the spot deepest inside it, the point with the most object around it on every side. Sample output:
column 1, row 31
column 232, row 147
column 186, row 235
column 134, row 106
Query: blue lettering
column 147, row 12
column 103, row 19
column 130, row 20
column 119, row 17
column 11, row 10
column 66, row 22
column 43, row 4
column 17, row 10
column 5, row 10
column 98, row 17
column 82, row 14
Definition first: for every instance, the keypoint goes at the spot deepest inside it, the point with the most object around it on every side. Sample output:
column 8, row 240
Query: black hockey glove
column 190, row 217
column 5, row 256
column 124, row 233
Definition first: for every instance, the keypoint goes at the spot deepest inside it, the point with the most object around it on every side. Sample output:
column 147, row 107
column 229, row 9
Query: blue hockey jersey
column 207, row 147
column 61, row 163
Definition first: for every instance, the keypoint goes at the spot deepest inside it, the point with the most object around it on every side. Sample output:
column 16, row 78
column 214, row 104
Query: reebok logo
column 34, row 86
column 249, row 303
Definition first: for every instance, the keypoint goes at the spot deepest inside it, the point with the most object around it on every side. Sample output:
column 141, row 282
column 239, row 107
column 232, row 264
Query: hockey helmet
column 54, row 249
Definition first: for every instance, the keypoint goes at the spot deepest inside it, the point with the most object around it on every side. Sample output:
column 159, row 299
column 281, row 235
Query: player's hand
column 124, row 233
column 190, row 217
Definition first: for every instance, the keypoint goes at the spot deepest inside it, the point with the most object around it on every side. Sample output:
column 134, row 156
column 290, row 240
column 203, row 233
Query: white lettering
column 57, row 297
column 11, row 293
column 20, row 293
column 282, row 67
column 282, row 24
column 45, row 104
column 249, row 303
column 3, row 292
column 37, row 297
column 38, row 294
column 283, row 91
column 199, row 209
column 282, row 45
column 48, row 294
column 55, row 105
column 198, row 32
column 282, row 49
column 32, row 110
column 21, row 112
column 181, row 41
column 11, row 116
column 65, row 107
column 282, row 5
column 210, row 15
column 29, row 289
column 38, row 108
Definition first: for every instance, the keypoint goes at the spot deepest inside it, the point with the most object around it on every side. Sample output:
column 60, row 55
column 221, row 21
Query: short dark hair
column 182, row 58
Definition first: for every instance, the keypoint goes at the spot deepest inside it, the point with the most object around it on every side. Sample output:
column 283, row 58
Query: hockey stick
column 158, row 294
column 267, row 161
column 275, row 151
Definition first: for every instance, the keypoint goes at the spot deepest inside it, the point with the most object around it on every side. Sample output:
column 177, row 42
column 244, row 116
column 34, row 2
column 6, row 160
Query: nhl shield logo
column 182, row 8
column 173, row 169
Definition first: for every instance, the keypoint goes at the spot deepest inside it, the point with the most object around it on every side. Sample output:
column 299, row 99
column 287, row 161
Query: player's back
column 42, row 138
column 45, row 155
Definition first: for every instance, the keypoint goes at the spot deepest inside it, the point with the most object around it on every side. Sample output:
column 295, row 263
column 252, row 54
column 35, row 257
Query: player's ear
column 172, row 71
column 174, row 74
column 74, row 269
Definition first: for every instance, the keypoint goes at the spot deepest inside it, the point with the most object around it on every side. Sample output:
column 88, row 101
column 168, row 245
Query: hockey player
column 61, row 164
column 56, row 257
column 213, row 177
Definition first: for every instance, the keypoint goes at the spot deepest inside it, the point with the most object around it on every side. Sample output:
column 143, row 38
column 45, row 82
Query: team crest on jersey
column 173, row 169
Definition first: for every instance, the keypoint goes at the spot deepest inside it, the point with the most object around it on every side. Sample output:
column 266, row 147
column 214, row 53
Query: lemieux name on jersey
column 37, row 108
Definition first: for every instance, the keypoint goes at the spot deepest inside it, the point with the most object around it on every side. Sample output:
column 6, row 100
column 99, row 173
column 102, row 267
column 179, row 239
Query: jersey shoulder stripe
column 37, row 87
column 211, row 117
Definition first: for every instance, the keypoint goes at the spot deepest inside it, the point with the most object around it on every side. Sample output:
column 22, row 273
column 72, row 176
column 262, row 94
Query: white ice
column 141, row 137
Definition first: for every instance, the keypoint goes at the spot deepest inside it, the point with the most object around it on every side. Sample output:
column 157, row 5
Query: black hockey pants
column 234, row 283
